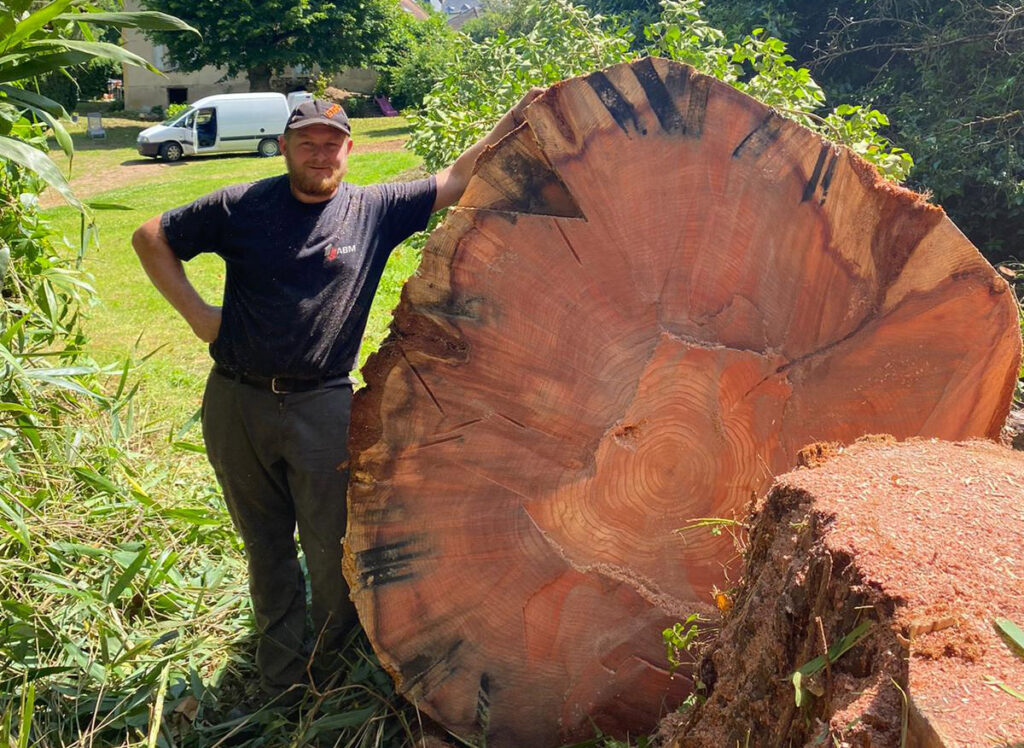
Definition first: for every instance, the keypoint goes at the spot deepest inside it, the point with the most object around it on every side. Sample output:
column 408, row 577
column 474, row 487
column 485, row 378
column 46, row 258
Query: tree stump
column 919, row 545
column 652, row 294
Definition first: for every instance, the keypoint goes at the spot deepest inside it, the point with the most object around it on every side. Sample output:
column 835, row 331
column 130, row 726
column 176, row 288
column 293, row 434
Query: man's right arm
column 167, row 273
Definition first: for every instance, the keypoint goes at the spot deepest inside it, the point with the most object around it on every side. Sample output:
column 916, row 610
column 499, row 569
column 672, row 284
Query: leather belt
column 285, row 385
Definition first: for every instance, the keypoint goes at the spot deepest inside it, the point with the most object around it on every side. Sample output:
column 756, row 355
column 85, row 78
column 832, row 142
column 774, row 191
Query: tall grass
column 124, row 615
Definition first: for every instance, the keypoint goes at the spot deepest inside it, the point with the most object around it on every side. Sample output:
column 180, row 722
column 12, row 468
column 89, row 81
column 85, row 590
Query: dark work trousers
column 277, row 458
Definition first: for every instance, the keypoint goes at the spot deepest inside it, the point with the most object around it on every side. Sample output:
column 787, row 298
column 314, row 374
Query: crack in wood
column 512, row 421
column 435, row 442
column 423, row 382
column 461, row 426
column 643, row 586
column 568, row 243
column 758, row 140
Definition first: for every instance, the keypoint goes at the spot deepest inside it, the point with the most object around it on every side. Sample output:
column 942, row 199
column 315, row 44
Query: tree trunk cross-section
column 652, row 294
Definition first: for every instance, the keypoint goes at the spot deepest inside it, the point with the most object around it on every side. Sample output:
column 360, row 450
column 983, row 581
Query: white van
column 220, row 124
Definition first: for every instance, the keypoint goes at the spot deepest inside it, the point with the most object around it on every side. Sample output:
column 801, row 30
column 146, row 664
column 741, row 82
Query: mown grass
column 125, row 617
column 132, row 319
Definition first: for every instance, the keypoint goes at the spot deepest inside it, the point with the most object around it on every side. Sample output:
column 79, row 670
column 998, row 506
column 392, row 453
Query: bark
column 259, row 77
column 652, row 294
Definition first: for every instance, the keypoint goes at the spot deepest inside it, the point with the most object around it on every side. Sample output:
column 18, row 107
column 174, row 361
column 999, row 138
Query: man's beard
column 312, row 184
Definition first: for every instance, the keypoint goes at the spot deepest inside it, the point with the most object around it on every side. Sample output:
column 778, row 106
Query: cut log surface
column 652, row 294
column 920, row 539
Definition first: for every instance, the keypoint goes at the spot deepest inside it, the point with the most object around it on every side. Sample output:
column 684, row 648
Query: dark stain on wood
column 760, row 138
column 618, row 107
column 826, row 181
column 467, row 308
column 388, row 563
column 528, row 185
column 660, row 98
column 422, row 665
column 693, row 122
column 483, row 703
column 812, row 183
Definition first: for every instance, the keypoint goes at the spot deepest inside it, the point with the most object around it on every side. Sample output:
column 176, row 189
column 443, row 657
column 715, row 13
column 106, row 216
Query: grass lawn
column 122, row 582
column 131, row 317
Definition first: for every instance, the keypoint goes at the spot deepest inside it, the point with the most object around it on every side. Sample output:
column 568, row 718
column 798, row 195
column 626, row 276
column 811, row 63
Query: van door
column 205, row 133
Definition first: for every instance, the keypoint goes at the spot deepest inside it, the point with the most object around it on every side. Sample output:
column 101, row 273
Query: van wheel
column 268, row 147
column 171, row 151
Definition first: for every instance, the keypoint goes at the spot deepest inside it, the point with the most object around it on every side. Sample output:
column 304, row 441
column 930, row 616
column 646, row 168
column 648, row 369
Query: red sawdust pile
column 925, row 540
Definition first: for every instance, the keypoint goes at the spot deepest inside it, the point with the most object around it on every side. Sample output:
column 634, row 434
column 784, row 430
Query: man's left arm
column 452, row 181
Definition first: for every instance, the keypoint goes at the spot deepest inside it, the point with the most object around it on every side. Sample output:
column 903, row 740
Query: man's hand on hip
column 206, row 324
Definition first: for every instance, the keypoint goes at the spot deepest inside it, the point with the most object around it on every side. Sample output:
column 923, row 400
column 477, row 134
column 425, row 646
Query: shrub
column 485, row 79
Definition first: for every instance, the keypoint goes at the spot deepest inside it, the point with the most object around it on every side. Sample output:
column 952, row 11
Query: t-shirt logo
column 332, row 251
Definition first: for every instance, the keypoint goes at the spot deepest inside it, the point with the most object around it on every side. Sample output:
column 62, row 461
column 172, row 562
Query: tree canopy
column 261, row 38
column 948, row 74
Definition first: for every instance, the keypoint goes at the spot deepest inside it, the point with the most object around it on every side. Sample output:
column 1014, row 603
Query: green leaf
column 103, row 50
column 34, row 159
column 61, row 135
column 108, row 206
column 1012, row 632
column 99, row 482
column 836, row 651
column 149, row 20
column 28, row 705
column 34, row 100
column 126, row 577
column 35, row 22
column 21, row 66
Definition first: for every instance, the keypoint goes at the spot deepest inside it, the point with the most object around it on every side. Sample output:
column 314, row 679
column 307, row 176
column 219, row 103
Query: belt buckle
column 274, row 389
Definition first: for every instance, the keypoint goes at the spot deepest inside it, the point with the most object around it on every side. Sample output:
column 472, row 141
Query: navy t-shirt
column 300, row 277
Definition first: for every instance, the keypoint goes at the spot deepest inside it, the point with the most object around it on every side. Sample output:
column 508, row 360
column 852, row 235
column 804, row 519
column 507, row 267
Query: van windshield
column 178, row 120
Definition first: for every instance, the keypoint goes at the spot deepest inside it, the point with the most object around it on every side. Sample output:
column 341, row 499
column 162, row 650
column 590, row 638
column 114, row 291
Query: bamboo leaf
column 59, row 133
column 34, row 159
column 35, row 22
column 149, row 20
column 103, row 50
column 108, row 206
column 836, row 651
column 126, row 577
column 1012, row 632
column 34, row 100
column 97, row 481
column 28, row 705
column 21, row 66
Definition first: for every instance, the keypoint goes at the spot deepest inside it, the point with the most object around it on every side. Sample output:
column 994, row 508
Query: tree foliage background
column 260, row 38
column 949, row 74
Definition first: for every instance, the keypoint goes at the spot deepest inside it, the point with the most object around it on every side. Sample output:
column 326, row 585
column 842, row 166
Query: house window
column 161, row 60
column 177, row 95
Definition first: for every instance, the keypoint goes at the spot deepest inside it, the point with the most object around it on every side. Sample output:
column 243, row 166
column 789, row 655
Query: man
column 304, row 253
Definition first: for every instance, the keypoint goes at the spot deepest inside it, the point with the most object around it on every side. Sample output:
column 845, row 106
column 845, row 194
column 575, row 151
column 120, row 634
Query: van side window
column 189, row 121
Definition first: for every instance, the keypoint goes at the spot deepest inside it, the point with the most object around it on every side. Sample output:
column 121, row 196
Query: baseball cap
column 319, row 112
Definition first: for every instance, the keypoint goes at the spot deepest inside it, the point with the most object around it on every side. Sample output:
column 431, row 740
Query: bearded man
column 304, row 253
